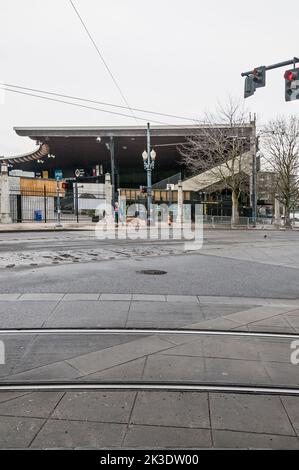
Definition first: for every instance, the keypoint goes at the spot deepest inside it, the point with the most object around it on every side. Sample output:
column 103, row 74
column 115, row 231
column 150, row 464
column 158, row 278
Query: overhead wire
column 102, row 57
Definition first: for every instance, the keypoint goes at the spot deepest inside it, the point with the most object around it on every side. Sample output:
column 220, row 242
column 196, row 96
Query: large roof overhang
column 115, row 131
column 78, row 146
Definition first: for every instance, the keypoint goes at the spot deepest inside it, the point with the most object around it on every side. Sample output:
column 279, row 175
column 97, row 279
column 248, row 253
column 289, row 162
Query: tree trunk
column 287, row 222
column 235, row 209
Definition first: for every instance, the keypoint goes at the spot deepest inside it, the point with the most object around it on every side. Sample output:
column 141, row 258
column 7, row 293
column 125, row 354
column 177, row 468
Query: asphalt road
column 230, row 264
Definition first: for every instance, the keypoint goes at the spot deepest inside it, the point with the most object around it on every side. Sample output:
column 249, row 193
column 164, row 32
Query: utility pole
column 149, row 173
column 253, row 150
column 112, row 156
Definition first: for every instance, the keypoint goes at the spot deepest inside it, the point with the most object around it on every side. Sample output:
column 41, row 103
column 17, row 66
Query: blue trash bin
column 38, row 216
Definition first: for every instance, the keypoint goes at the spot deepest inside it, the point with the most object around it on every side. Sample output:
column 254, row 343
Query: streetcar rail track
column 147, row 386
column 146, row 331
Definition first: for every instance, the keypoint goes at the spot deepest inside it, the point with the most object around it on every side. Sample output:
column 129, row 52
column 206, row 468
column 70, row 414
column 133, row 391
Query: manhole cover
column 152, row 272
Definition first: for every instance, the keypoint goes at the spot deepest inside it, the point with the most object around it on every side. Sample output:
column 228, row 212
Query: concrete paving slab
column 74, row 434
column 116, row 297
column 57, row 371
column 80, row 297
column 15, row 348
column 148, row 298
column 41, row 297
column 236, row 372
column 230, row 348
column 211, row 311
column 292, row 319
column 49, row 349
column 249, row 413
column 17, row 433
column 256, row 327
column 283, row 374
column 175, row 308
column 160, row 367
column 183, row 299
column 218, row 324
column 274, row 351
column 291, row 405
column 180, row 339
column 130, row 371
column 277, row 321
column 188, row 410
column 257, row 314
column 245, row 301
column 193, row 349
column 103, row 407
column 7, row 396
column 89, row 314
column 167, row 313
column 9, row 297
column 25, row 314
column 167, row 437
column 35, row 405
column 171, row 323
column 243, row 440
column 98, row 361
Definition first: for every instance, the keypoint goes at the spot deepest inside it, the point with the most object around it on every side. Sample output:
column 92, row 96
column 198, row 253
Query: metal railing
column 44, row 206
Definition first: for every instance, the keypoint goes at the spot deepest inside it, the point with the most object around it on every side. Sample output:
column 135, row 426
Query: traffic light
column 292, row 84
column 249, row 86
column 256, row 79
column 259, row 76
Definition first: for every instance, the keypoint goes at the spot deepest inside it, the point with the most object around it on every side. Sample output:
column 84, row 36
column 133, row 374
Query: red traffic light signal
column 292, row 84
column 65, row 185
column 291, row 75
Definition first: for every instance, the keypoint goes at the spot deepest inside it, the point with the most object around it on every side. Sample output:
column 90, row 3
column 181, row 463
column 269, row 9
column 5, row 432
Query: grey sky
column 171, row 56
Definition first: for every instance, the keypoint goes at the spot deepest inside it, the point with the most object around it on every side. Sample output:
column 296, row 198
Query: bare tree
column 219, row 150
column 280, row 143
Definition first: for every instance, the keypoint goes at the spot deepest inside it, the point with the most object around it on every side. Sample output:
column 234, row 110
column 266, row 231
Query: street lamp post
column 58, row 224
column 149, row 158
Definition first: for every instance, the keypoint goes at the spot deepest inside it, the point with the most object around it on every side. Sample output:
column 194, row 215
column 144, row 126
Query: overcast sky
column 172, row 56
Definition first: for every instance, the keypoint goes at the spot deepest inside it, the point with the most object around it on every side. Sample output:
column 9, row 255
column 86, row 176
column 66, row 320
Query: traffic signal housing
column 259, row 76
column 292, row 84
column 249, row 86
column 256, row 79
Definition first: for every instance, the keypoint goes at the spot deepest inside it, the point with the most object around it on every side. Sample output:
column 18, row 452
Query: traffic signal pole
column 256, row 78
column 253, row 148
column 294, row 61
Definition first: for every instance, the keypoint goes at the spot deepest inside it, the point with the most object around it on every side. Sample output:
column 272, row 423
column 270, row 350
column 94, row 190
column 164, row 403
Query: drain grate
column 152, row 272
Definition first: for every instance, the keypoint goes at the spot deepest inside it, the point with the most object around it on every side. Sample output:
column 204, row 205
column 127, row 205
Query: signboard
column 79, row 173
column 58, row 175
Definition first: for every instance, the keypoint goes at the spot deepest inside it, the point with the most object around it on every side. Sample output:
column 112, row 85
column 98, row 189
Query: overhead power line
column 101, row 56
column 33, row 95
column 98, row 102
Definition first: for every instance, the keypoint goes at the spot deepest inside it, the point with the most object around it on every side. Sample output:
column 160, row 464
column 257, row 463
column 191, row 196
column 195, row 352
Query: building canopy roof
column 76, row 146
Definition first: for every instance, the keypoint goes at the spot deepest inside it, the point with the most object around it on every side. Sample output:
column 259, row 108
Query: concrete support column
column 5, row 215
column 108, row 194
column 180, row 203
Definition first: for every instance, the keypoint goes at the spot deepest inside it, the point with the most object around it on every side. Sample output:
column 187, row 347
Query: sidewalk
column 81, row 226
column 130, row 419
column 46, row 227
